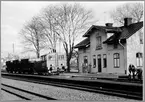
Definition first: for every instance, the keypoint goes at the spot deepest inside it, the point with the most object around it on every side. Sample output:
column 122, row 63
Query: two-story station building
column 109, row 49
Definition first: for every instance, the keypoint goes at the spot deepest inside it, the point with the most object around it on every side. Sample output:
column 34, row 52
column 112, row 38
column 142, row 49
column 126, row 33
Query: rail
column 80, row 85
column 20, row 93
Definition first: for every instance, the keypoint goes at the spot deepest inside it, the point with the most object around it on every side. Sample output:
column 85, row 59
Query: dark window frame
column 116, row 60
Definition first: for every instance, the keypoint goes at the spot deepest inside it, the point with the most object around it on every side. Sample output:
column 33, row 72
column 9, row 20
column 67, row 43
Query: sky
column 14, row 14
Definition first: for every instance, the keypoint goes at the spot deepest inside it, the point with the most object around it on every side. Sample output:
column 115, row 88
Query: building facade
column 54, row 59
column 109, row 49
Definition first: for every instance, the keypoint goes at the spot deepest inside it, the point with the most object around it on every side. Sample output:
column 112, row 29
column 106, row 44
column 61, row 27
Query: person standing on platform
column 63, row 68
column 50, row 68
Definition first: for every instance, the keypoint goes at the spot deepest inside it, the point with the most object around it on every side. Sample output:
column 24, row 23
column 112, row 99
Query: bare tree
column 132, row 10
column 32, row 35
column 69, row 22
column 50, row 35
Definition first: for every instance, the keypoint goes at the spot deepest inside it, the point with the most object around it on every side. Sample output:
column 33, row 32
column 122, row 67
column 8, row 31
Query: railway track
column 114, row 92
column 24, row 94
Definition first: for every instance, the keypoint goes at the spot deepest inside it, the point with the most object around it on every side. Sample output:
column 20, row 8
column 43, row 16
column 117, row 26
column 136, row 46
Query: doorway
column 99, row 63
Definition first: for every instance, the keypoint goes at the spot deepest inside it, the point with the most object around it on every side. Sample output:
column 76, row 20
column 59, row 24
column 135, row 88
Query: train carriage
column 16, row 66
column 9, row 68
column 25, row 66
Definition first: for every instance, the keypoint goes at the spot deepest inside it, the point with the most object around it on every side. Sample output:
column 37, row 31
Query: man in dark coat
column 50, row 68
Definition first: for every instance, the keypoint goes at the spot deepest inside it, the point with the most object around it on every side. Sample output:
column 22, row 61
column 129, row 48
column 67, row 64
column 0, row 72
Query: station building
column 108, row 49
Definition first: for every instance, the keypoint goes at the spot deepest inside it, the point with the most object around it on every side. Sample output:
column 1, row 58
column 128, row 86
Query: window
column 94, row 61
column 116, row 60
column 139, row 59
column 105, row 60
column 141, row 37
column 99, row 42
column 85, row 59
column 141, row 40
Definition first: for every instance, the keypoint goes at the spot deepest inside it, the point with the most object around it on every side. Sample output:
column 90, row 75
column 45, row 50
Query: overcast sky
column 15, row 13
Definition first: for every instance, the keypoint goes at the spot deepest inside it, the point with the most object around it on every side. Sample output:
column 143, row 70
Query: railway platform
column 99, row 76
column 95, row 75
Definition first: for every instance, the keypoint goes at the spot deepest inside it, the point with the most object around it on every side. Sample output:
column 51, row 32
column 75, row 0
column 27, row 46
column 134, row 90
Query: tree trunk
column 68, row 64
column 38, row 54
column 78, row 64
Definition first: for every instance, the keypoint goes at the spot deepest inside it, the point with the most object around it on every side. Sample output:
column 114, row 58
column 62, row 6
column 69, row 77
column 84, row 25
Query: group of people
column 86, row 68
column 134, row 72
column 63, row 69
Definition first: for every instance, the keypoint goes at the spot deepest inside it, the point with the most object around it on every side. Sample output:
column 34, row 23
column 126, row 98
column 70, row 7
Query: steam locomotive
column 26, row 66
column 39, row 66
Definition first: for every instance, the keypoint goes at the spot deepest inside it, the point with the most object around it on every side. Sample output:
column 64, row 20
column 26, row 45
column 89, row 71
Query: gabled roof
column 84, row 43
column 127, row 31
column 123, row 32
column 106, row 28
column 130, row 30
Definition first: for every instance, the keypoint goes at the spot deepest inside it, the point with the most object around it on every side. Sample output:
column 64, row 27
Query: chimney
column 127, row 21
column 109, row 24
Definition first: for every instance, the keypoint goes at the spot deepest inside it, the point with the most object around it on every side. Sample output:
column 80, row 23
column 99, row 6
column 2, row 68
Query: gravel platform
column 6, row 96
column 60, row 93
